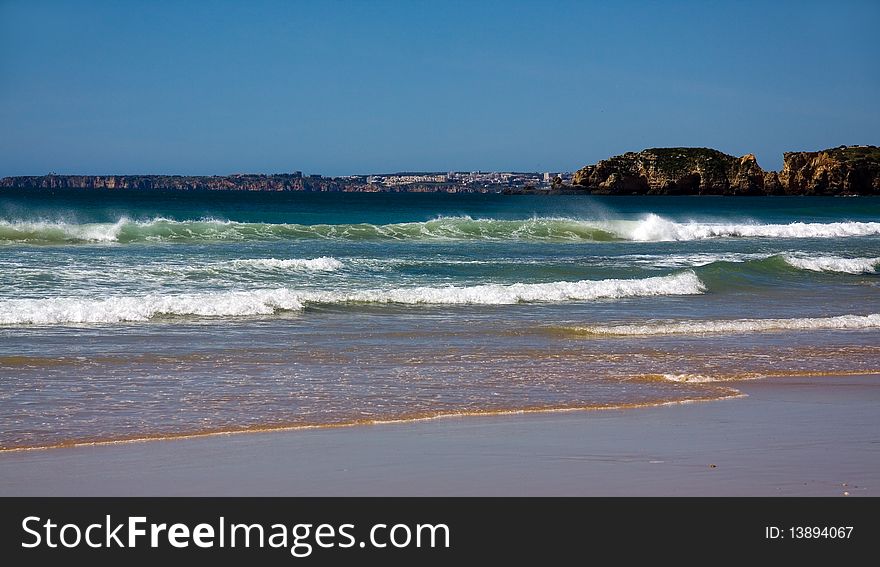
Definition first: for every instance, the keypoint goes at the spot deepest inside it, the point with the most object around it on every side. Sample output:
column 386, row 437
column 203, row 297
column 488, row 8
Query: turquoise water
column 131, row 315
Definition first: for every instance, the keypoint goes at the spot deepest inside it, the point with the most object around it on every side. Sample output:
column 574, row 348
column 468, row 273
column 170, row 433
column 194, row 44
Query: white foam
column 685, row 283
column 689, row 378
column 116, row 309
column 322, row 264
column 265, row 302
column 737, row 326
column 650, row 228
column 57, row 230
column 653, row 228
column 834, row 264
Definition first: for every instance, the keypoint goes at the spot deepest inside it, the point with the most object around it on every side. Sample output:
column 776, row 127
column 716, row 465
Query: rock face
column 704, row 171
column 849, row 170
column 241, row 182
column 674, row 171
column 238, row 182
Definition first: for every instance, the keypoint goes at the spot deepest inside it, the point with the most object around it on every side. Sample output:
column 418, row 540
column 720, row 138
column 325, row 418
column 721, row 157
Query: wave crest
column 650, row 228
column 266, row 302
column 60, row 231
column 654, row 228
column 834, row 264
column 51, row 311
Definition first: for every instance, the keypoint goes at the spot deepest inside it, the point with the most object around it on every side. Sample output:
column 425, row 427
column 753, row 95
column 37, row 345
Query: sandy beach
column 789, row 436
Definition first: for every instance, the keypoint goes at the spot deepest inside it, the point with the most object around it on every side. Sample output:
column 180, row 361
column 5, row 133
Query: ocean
column 145, row 315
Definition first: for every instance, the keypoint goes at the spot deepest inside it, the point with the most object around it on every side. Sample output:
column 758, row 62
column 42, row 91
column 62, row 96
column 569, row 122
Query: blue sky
column 195, row 87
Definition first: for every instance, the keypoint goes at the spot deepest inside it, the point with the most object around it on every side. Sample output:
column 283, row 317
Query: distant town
column 467, row 182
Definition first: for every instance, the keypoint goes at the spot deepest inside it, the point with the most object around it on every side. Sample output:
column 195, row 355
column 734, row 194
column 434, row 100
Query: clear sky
column 195, row 87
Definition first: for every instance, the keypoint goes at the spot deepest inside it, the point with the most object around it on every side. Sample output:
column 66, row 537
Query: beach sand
column 790, row 436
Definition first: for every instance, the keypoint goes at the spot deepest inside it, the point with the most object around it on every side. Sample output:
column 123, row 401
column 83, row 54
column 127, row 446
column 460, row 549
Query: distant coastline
column 845, row 170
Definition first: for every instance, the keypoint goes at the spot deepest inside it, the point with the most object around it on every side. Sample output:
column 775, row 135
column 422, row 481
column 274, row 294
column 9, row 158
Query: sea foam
column 50, row 311
column 60, row 231
column 834, row 264
column 650, row 228
column 685, row 283
column 734, row 326
column 654, row 228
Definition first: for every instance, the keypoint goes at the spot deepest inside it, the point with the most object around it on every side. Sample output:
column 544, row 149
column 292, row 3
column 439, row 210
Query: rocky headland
column 846, row 170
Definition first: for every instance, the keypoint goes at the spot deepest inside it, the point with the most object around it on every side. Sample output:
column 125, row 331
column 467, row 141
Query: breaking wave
column 60, row 231
column 654, row 228
column 167, row 230
column 266, row 302
column 650, row 228
column 834, row 264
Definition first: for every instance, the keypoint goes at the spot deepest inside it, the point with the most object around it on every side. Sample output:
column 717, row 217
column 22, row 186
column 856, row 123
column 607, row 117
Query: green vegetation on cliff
column 854, row 154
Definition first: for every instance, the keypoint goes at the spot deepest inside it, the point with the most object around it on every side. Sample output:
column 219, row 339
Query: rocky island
column 845, row 170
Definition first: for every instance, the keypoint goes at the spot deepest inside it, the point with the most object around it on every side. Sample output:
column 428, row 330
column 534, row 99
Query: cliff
column 849, row 170
column 845, row 170
column 241, row 182
column 672, row 171
column 238, row 182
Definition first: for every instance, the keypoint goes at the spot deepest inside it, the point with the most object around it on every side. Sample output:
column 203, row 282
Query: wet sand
column 790, row 436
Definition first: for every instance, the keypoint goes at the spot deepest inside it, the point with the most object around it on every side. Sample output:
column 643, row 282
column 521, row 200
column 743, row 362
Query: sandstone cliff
column 850, row 170
column 847, row 170
column 671, row 171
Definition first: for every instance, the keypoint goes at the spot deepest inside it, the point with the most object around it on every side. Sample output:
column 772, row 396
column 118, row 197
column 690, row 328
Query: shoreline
column 258, row 429
column 790, row 436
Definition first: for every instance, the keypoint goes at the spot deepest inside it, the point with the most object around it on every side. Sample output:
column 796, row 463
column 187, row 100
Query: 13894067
column 808, row 532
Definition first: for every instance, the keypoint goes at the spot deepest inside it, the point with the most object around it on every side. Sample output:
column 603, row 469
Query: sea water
column 133, row 315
